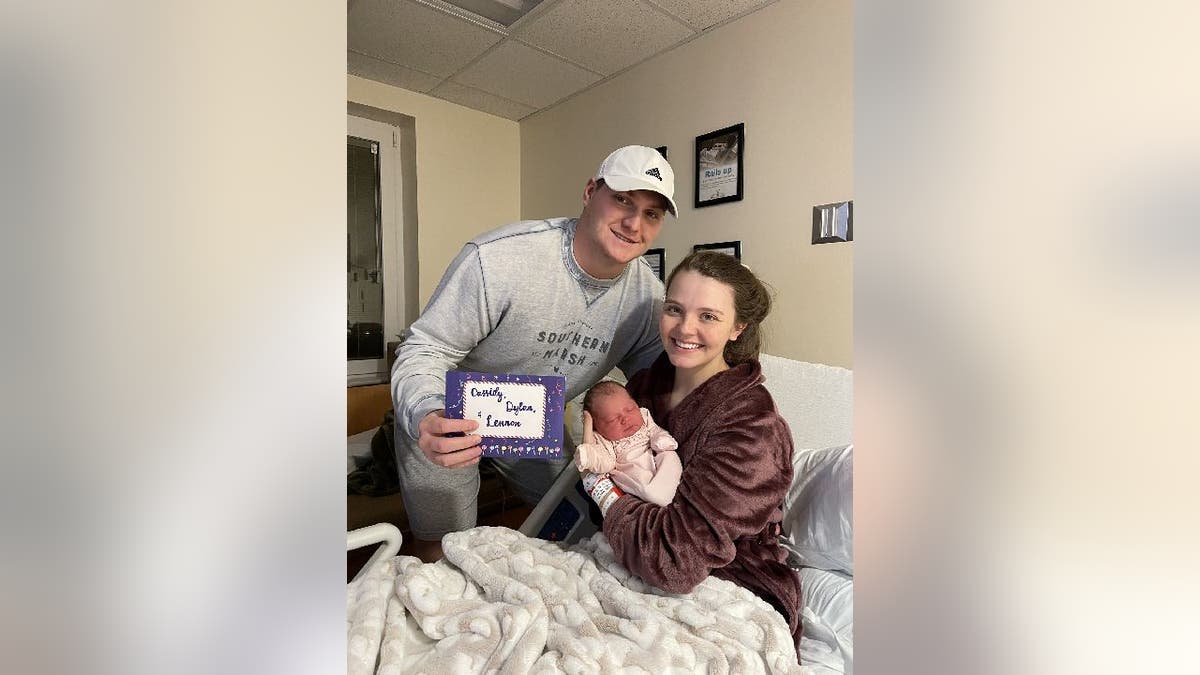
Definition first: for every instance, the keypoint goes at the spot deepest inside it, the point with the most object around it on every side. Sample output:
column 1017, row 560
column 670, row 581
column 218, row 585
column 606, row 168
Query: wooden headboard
column 366, row 406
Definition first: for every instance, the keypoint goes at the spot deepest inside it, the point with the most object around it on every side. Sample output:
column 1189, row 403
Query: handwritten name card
column 519, row 416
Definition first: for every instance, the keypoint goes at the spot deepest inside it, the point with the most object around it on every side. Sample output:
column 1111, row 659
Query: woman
column 736, row 451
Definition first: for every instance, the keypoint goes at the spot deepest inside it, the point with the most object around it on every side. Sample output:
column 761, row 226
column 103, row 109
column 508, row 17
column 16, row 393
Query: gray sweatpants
column 441, row 500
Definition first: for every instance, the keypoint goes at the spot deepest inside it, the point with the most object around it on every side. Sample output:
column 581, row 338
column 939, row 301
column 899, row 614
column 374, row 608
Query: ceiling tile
column 604, row 36
column 702, row 14
column 389, row 73
column 403, row 32
column 479, row 100
column 523, row 74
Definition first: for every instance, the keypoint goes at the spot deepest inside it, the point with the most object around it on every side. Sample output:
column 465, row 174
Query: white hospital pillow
column 818, row 512
column 828, row 615
column 831, row 597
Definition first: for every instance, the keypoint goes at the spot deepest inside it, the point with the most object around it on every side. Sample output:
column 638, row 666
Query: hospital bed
column 550, row 598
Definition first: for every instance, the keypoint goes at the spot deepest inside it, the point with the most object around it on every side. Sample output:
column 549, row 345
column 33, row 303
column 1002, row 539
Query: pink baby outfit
column 643, row 464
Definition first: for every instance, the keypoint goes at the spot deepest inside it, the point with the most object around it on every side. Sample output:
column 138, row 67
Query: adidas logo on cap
column 653, row 171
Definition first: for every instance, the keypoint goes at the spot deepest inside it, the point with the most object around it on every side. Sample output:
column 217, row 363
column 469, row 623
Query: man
column 546, row 297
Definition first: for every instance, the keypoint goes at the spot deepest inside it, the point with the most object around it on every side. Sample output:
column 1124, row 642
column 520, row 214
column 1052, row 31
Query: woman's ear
column 737, row 332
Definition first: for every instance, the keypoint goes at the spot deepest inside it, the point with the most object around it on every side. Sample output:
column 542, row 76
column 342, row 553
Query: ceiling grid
column 557, row 50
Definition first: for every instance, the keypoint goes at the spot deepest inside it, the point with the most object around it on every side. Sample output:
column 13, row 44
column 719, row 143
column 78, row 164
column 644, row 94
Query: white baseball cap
column 637, row 167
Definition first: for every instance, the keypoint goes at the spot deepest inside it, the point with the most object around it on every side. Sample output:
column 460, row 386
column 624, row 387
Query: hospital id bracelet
column 602, row 490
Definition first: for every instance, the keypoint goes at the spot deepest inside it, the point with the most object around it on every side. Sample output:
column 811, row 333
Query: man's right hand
column 452, row 452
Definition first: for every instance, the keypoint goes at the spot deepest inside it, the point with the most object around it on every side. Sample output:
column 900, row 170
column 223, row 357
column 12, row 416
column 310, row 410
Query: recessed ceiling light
column 502, row 12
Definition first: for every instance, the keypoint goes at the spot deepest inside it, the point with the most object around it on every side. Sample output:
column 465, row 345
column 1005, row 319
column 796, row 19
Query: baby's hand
column 593, row 457
column 665, row 442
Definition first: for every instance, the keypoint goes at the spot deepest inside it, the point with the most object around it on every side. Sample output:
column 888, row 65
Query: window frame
column 360, row 372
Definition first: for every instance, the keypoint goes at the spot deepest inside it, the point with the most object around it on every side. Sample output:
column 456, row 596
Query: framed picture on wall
column 657, row 259
column 719, row 155
column 733, row 248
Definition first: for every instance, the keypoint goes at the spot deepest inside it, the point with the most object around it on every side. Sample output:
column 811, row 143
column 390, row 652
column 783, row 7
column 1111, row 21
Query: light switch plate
column 833, row 222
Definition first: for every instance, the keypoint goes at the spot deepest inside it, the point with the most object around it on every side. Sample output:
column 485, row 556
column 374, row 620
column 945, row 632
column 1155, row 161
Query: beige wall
column 787, row 72
column 468, row 172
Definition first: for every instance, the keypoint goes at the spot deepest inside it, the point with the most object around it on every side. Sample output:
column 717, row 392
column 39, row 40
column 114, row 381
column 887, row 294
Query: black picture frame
column 733, row 248
column 719, row 166
column 657, row 258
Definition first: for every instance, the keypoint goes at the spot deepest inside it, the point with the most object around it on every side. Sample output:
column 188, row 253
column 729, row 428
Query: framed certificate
column 733, row 248
column 719, row 165
column 657, row 257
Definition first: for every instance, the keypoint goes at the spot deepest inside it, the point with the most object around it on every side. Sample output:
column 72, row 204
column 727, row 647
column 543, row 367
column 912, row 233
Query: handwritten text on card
column 506, row 409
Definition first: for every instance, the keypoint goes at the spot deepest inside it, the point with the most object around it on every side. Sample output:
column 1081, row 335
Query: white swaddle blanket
column 503, row 602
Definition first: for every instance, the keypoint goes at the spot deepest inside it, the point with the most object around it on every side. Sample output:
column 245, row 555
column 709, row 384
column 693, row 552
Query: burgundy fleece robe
column 736, row 453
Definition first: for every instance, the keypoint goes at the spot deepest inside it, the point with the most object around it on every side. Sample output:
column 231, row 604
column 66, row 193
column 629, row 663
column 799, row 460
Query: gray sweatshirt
column 514, row 300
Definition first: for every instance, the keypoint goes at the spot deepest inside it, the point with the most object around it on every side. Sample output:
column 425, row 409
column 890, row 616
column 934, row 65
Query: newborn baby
column 641, row 458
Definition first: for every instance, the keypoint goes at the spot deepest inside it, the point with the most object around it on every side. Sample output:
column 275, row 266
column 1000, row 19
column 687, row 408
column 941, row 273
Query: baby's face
column 616, row 416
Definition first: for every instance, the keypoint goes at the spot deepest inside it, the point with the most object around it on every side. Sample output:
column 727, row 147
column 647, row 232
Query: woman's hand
column 588, row 435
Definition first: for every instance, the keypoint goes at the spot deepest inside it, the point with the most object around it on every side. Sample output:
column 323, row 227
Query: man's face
column 616, row 228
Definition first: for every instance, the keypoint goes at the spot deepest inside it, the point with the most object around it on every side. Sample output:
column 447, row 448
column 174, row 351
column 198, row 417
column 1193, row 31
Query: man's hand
column 452, row 452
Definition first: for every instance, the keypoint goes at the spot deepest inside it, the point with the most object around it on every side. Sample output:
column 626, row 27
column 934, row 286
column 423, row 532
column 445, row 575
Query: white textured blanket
column 503, row 602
